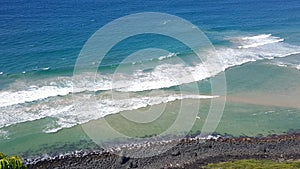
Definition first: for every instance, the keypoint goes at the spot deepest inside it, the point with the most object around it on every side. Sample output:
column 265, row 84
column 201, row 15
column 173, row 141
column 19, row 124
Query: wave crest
column 162, row 75
column 255, row 41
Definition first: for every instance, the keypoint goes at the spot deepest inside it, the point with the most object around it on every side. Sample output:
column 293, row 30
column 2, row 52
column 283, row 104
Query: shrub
column 2, row 155
column 12, row 162
column 4, row 163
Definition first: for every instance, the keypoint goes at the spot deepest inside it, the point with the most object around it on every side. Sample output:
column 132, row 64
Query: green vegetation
column 254, row 164
column 12, row 162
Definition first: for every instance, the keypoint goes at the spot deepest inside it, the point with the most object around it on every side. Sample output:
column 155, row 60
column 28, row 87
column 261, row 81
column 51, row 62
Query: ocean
column 40, row 41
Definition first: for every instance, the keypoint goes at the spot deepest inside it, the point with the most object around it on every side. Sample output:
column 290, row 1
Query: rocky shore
column 184, row 153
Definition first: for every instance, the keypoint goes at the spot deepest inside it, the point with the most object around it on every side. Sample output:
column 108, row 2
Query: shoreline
column 185, row 153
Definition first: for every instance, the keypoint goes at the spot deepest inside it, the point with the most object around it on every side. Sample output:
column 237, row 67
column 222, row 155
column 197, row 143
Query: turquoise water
column 258, row 42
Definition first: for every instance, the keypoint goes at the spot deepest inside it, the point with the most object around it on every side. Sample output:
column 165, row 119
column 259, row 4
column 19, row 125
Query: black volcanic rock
column 187, row 153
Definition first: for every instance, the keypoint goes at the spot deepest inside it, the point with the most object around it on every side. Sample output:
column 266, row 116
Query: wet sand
column 185, row 153
column 288, row 100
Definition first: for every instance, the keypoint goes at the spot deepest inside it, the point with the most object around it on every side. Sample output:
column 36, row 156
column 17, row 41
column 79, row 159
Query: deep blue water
column 39, row 34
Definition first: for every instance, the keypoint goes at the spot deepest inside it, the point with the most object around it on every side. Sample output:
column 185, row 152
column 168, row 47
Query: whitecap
column 255, row 41
column 163, row 75
column 67, row 113
column 70, row 117
column 167, row 56
column 46, row 68
column 291, row 61
column 281, row 64
column 8, row 98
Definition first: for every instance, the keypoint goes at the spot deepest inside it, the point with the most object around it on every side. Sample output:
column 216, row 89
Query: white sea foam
column 46, row 68
column 209, row 137
column 62, row 110
column 281, row 64
column 167, row 56
column 163, row 75
column 255, row 41
column 290, row 65
column 105, row 107
column 292, row 61
column 8, row 98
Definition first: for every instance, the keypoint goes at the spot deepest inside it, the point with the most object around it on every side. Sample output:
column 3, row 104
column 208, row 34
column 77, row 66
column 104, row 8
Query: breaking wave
column 17, row 102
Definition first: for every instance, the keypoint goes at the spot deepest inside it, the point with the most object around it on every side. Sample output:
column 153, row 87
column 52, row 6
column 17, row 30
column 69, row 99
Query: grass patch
column 254, row 164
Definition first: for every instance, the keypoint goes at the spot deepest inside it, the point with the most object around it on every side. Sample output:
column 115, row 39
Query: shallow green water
column 242, row 115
